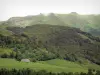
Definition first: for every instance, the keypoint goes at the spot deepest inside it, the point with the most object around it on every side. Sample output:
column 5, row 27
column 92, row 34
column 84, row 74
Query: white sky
column 10, row 8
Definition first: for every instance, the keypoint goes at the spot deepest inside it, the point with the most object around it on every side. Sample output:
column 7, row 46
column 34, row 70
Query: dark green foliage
column 45, row 42
column 12, row 55
column 4, row 55
column 90, row 72
column 28, row 71
column 97, row 73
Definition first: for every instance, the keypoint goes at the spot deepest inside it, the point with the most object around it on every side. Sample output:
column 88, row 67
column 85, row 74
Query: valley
column 55, row 43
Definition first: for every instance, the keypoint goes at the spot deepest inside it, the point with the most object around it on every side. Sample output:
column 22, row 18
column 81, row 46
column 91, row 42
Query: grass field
column 55, row 65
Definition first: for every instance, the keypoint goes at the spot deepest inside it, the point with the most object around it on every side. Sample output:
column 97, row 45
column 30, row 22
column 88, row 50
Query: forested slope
column 44, row 42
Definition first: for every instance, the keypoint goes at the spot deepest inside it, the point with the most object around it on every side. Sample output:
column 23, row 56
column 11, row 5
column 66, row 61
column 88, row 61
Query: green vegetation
column 5, row 50
column 7, row 53
column 45, row 65
column 50, row 44
column 88, row 23
column 45, row 42
column 28, row 71
column 56, row 65
column 4, row 31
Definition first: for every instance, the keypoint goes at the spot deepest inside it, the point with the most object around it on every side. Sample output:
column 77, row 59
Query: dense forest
column 45, row 42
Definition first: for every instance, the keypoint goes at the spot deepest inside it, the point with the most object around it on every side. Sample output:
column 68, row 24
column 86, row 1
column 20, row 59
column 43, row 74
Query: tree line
column 4, row 71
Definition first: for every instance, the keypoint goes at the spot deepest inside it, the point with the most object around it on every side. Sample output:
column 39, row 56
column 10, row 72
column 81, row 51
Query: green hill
column 45, row 42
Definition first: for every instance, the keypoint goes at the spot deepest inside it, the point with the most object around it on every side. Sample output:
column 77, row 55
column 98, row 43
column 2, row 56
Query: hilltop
column 87, row 23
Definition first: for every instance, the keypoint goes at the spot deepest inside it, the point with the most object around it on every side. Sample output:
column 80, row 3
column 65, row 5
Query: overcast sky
column 10, row 8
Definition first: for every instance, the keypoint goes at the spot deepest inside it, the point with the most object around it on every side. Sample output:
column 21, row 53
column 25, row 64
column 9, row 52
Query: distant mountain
column 37, row 19
column 88, row 23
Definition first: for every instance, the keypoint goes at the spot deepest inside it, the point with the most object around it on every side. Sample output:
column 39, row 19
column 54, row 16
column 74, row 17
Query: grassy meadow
column 55, row 65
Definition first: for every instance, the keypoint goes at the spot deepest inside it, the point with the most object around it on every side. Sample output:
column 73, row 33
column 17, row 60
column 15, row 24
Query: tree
column 18, row 56
column 97, row 73
column 12, row 55
column 90, row 72
column 4, row 55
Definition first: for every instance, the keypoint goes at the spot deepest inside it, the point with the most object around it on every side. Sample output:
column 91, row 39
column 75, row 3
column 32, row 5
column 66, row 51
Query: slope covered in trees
column 44, row 42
